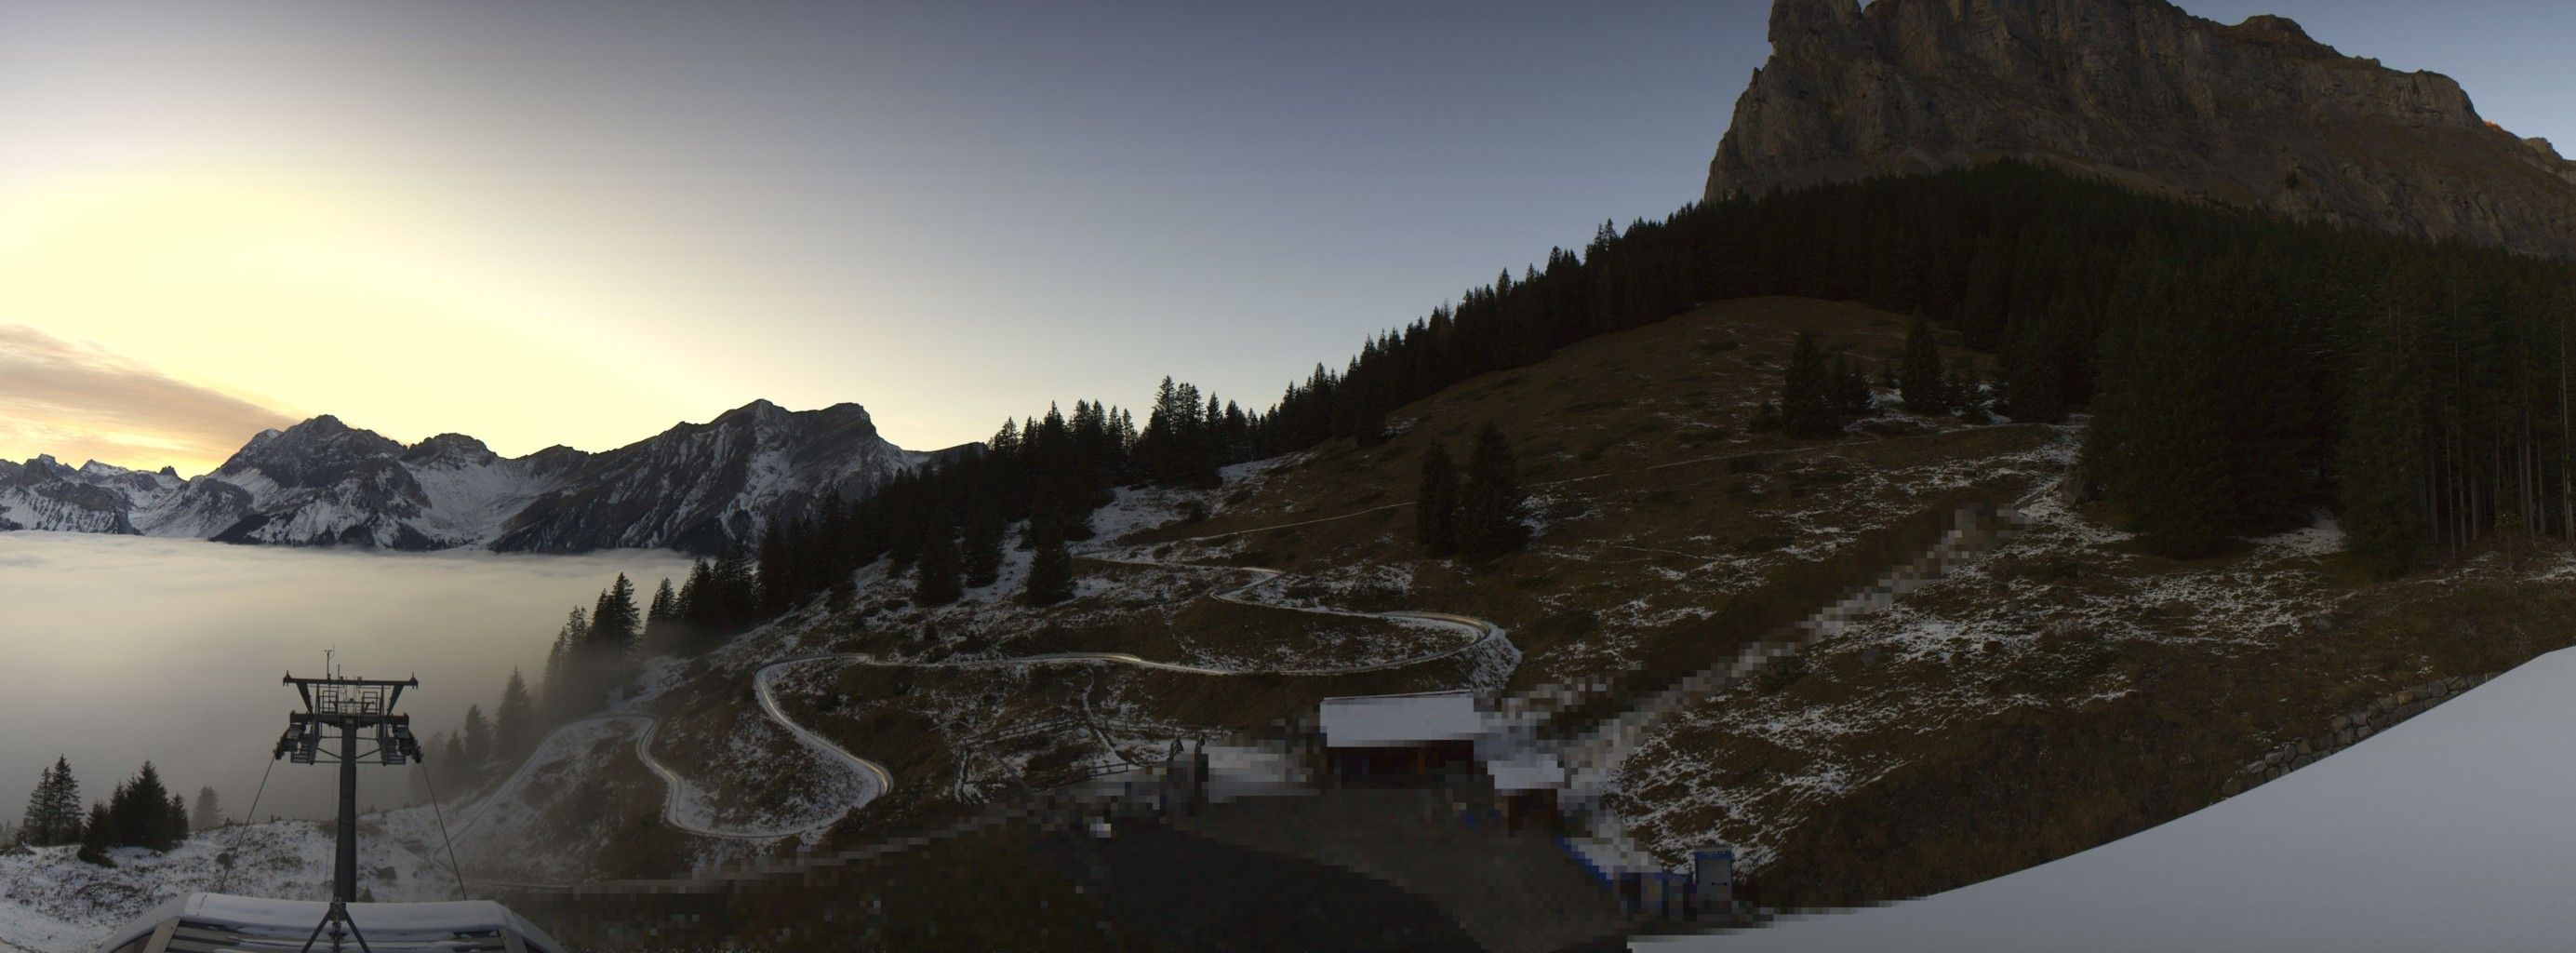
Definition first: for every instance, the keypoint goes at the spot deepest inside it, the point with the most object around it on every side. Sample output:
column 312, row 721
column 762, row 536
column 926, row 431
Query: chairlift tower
column 352, row 707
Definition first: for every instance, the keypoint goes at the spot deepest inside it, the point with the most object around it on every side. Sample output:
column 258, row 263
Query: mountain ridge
column 696, row 487
column 2257, row 114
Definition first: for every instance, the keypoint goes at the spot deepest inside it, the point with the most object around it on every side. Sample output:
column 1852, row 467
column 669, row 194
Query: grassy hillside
column 2055, row 693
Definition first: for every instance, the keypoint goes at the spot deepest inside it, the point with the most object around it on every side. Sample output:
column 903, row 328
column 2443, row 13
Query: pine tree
column 514, row 724
column 1807, row 393
column 97, row 836
column 1435, row 511
column 1489, row 500
column 210, row 810
column 478, row 739
column 937, row 569
column 454, row 770
column 53, row 809
column 1851, row 389
column 695, row 601
column 664, row 611
column 174, row 822
column 140, row 812
column 1050, row 572
column 614, row 621
column 1922, row 385
column 563, row 697
column 983, row 546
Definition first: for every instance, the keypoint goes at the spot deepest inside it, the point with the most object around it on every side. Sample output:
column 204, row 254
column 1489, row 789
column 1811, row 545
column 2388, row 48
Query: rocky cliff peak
column 449, row 449
column 313, row 453
column 2256, row 114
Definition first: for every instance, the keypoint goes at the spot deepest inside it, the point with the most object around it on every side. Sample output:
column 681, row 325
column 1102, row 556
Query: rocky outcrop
column 2257, row 115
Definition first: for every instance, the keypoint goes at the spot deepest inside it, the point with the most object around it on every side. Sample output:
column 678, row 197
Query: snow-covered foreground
column 52, row 902
column 2451, row 831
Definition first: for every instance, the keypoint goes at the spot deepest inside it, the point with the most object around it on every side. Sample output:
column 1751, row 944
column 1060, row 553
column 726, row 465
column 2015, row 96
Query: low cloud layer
column 124, row 649
column 83, row 402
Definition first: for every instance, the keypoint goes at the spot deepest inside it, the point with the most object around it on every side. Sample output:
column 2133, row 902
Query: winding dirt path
column 1479, row 632
column 878, row 779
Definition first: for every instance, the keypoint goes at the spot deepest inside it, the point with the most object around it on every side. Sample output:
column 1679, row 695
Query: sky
column 543, row 223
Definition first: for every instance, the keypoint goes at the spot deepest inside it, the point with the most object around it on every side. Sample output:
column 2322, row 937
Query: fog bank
column 115, row 649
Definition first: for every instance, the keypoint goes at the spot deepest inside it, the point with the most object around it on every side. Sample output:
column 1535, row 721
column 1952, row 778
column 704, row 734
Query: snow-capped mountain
column 699, row 487
column 96, row 498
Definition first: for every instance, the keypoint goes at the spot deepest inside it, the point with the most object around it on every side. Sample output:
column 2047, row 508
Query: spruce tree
column 1050, row 572
column 210, row 810
column 1489, row 500
column 983, row 546
column 563, row 672
column 937, row 568
column 53, row 809
column 1807, row 392
column 478, row 739
column 514, row 723
column 174, row 823
column 614, row 621
column 696, row 600
column 658, row 618
column 453, row 768
column 1435, row 511
column 1922, row 385
column 97, row 836
column 1851, row 389
column 35, row 824
column 140, row 812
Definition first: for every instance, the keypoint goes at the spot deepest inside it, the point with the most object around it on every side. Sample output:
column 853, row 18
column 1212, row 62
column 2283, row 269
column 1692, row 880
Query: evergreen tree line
column 483, row 747
column 950, row 524
column 141, row 812
column 2240, row 369
column 1819, row 399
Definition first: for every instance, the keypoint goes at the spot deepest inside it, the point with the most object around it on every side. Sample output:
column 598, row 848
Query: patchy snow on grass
column 52, row 901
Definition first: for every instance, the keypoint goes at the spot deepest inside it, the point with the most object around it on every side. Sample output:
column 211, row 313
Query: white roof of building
column 1528, row 772
column 412, row 926
column 1388, row 721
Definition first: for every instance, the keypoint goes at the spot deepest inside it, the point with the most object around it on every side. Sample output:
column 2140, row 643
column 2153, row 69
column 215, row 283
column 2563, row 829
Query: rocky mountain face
column 698, row 487
column 2256, row 115
column 95, row 498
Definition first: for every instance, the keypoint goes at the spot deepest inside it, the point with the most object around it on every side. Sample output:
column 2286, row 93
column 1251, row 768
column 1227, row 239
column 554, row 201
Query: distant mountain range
column 694, row 487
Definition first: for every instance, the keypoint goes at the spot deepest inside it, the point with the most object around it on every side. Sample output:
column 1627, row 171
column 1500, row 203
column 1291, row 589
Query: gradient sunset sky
column 544, row 223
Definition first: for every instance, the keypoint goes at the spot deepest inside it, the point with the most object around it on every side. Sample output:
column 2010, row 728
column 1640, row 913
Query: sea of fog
column 117, row 649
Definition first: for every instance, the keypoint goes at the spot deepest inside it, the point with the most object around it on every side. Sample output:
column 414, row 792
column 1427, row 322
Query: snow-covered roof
column 1377, row 721
column 407, row 926
column 1529, row 772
